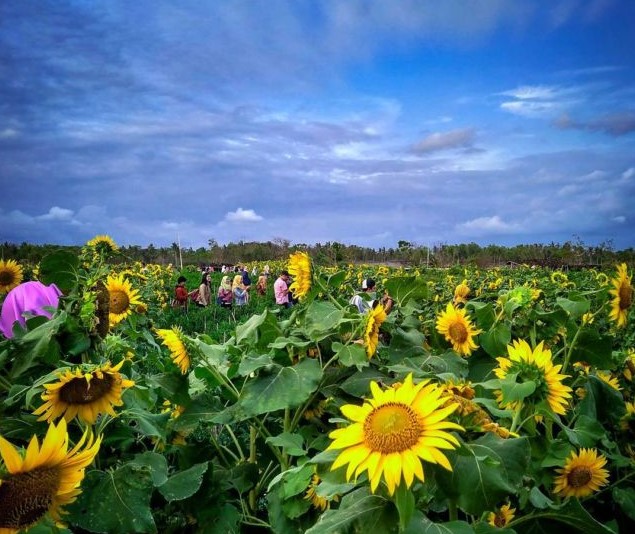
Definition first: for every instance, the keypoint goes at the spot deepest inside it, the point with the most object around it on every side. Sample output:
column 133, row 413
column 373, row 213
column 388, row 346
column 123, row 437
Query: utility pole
column 178, row 242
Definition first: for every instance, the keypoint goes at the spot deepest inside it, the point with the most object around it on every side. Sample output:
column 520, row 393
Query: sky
column 363, row 122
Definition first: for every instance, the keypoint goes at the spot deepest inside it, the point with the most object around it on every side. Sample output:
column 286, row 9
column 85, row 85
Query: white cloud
column 619, row 219
column 628, row 174
column 486, row 225
column 463, row 137
column 57, row 214
column 241, row 215
column 532, row 92
column 529, row 108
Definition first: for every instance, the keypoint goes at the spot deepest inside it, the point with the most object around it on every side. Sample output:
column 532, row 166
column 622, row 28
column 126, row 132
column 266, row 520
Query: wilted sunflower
column 501, row 517
column 122, row 298
column 395, row 430
column 622, row 296
column 44, row 480
column 457, row 328
column 174, row 340
column 318, row 502
column 10, row 275
column 583, row 473
column 103, row 243
column 461, row 292
column 374, row 319
column 538, row 367
column 300, row 270
column 85, row 394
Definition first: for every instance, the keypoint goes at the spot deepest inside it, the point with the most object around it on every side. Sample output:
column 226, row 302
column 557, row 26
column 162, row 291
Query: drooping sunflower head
column 320, row 503
column 622, row 292
column 174, row 339
column 103, row 244
column 461, row 292
column 536, row 366
column 374, row 319
column 501, row 517
column 123, row 298
column 583, row 474
column 457, row 328
column 300, row 270
column 392, row 433
column 44, row 480
column 84, row 393
column 10, row 275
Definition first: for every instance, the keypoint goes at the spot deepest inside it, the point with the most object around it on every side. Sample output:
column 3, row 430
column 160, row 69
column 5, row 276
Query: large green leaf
column 576, row 306
column 625, row 498
column 183, row 484
column 358, row 384
column 322, row 318
column 516, row 391
column 404, row 288
column 496, row 339
column 571, row 513
column 602, row 402
column 350, row 355
column 283, row 387
column 156, row 464
column 420, row 524
column 593, row 348
column 258, row 330
column 291, row 444
column 59, row 268
column 115, row 502
column 485, row 472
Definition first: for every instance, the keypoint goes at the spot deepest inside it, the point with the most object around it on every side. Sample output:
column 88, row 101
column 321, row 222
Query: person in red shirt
column 180, row 293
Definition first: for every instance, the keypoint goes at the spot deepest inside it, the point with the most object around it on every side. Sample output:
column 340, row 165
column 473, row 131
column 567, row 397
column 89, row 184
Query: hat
column 368, row 283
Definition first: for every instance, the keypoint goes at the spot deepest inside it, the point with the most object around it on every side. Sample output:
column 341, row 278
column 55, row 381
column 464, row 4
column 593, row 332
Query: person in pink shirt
column 281, row 290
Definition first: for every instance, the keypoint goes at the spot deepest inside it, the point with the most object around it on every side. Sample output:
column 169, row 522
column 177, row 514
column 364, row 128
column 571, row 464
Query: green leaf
column 404, row 288
column 216, row 356
column 593, row 348
column 484, row 472
column 572, row 513
column 284, row 387
column 602, row 402
column 404, row 500
column 322, row 319
column 114, row 502
column 514, row 391
column 586, row 432
column 358, row 384
column 625, row 498
column 350, row 355
column 358, row 505
column 420, row 524
column 202, row 409
column 292, row 444
column 576, row 308
column 496, row 339
column 59, row 268
column 294, row 481
column 483, row 312
column 259, row 330
column 539, row 499
column 249, row 364
column 183, row 484
column 157, row 466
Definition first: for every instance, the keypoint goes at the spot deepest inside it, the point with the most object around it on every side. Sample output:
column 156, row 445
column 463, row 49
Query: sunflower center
column 500, row 520
column 119, row 301
column 6, row 277
column 79, row 391
column 393, row 427
column 579, row 476
column 626, row 296
column 458, row 332
column 26, row 497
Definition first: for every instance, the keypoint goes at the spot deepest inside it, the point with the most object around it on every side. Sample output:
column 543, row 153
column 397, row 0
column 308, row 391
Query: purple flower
column 29, row 297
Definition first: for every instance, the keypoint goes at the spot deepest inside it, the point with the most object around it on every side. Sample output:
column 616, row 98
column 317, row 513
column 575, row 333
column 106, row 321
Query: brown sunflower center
column 119, row 301
column 458, row 332
column 626, row 296
column 579, row 476
column 393, row 427
column 7, row 277
column 26, row 497
column 500, row 520
column 79, row 391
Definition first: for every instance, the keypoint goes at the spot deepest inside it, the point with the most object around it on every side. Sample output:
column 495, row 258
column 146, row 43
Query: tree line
column 570, row 254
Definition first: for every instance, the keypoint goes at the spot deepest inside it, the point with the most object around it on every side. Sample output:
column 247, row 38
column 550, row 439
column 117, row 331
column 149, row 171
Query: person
column 265, row 271
column 245, row 276
column 261, row 285
column 225, row 296
column 180, row 293
column 367, row 299
column 240, row 291
column 281, row 290
column 204, row 296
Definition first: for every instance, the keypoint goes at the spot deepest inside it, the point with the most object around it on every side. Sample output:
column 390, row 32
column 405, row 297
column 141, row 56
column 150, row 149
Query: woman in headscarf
column 225, row 295
column 241, row 295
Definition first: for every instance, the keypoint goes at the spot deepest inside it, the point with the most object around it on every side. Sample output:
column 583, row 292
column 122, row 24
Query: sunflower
column 457, row 328
column 374, row 319
column 538, row 367
column 582, row 474
column 300, row 270
column 318, row 502
column 10, row 275
column 85, row 394
column 122, row 298
column 461, row 292
column 501, row 517
column 45, row 480
column 622, row 296
column 609, row 379
column 174, row 340
column 395, row 430
column 103, row 243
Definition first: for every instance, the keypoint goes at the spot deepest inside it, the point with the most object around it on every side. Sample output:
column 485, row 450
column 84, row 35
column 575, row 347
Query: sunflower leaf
column 516, row 391
column 183, row 484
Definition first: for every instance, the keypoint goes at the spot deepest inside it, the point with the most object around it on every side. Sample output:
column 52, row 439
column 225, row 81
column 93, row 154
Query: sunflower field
column 463, row 401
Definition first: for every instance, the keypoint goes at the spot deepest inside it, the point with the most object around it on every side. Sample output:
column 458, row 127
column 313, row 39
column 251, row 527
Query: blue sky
column 364, row 122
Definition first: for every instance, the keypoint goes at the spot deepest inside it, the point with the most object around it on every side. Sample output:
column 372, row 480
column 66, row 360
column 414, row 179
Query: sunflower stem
column 233, row 436
column 253, row 434
column 328, row 293
column 453, row 510
column 516, row 419
column 567, row 351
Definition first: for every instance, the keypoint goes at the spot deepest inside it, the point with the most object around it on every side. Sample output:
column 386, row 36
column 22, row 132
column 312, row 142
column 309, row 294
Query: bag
column 194, row 295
